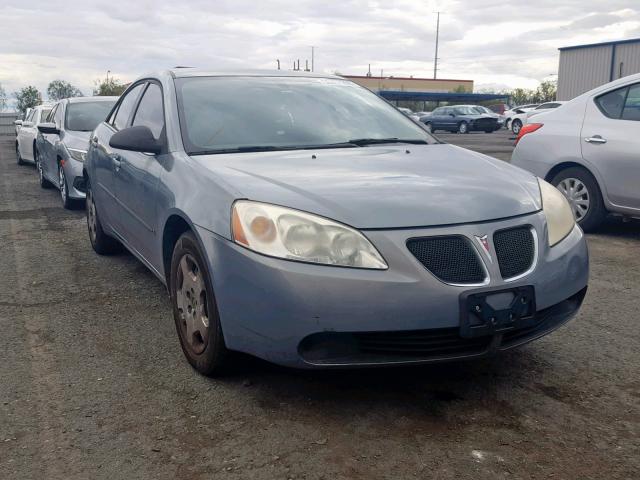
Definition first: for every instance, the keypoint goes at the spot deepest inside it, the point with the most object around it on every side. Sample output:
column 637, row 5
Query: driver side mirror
column 136, row 139
column 49, row 127
column 452, row 114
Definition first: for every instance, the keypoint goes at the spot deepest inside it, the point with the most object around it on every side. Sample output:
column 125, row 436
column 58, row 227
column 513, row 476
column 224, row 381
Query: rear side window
column 150, row 112
column 44, row 113
column 632, row 104
column 612, row 103
column 49, row 117
column 126, row 106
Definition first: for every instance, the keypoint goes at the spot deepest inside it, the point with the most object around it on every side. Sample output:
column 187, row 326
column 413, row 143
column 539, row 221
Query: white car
column 517, row 121
column 589, row 150
column 509, row 114
column 26, row 137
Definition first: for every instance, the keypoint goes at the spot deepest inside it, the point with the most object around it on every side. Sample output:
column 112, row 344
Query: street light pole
column 435, row 60
column 312, row 57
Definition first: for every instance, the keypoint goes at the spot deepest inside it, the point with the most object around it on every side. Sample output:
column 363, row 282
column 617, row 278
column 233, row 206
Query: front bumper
column 75, row 179
column 275, row 309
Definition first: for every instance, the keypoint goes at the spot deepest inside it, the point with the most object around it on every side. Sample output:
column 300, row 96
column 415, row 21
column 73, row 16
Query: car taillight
column 528, row 128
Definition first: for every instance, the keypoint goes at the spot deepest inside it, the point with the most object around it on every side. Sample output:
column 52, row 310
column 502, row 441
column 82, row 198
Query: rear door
column 26, row 135
column 137, row 179
column 611, row 142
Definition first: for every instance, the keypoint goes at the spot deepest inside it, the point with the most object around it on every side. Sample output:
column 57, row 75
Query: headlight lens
column 556, row 208
column 79, row 155
column 295, row 235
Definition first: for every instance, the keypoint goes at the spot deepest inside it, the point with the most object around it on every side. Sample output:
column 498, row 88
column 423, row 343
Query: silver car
column 589, row 150
column 62, row 142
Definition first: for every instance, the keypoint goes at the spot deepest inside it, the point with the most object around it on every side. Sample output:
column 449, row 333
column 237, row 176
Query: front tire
column 463, row 127
column 516, row 125
column 581, row 190
column 63, row 186
column 428, row 127
column 101, row 243
column 194, row 308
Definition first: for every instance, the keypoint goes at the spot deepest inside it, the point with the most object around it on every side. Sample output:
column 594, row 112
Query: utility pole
column 435, row 60
column 312, row 56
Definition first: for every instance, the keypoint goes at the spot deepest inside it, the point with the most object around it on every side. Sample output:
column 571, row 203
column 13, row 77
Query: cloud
column 493, row 42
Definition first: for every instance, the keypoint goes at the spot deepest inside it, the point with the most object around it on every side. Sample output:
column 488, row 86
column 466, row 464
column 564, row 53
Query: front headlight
column 79, row 155
column 556, row 208
column 295, row 235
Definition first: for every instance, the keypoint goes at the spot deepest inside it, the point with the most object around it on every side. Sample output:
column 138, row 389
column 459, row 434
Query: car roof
column 183, row 72
column 96, row 98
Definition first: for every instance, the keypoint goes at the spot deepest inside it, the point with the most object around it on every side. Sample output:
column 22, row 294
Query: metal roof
column 603, row 44
column 440, row 96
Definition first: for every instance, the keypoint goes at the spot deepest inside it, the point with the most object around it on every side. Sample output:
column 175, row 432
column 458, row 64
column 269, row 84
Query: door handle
column 595, row 139
column 116, row 160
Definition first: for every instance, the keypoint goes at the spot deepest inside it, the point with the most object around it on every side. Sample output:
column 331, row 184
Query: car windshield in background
column 85, row 116
column 465, row 111
column 44, row 113
column 228, row 114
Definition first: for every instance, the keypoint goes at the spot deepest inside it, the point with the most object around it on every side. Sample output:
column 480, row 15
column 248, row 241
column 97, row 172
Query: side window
column 611, row 104
column 57, row 117
column 150, row 112
column 126, row 106
column 632, row 104
column 49, row 117
column 30, row 116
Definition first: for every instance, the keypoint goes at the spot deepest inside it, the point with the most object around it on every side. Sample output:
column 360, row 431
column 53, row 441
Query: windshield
column 465, row 111
column 85, row 116
column 231, row 113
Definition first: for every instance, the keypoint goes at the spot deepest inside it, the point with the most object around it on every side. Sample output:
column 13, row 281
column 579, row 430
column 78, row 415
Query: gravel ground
column 93, row 384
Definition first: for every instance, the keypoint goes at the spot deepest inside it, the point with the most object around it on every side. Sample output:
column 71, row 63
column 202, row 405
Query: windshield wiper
column 373, row 141
column 273, row 148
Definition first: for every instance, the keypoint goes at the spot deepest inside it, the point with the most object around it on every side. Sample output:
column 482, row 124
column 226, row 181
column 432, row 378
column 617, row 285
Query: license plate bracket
column 487, row 312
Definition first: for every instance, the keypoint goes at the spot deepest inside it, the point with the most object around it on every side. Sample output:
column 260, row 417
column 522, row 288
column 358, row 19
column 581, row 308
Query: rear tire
column 463, row 127
column 44, row 183
column 101, row 243
column 194, row 308
column 516, row 125
column 507, row 124
column 18, row 154
column 595, row 214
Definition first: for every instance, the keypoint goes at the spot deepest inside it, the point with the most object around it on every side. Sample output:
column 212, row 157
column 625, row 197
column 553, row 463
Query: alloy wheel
column 92, row 222
column 578, row 196
column 63, row 183
column 191, row 298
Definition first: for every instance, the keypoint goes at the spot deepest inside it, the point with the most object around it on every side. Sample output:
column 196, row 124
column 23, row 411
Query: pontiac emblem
column 484, row 241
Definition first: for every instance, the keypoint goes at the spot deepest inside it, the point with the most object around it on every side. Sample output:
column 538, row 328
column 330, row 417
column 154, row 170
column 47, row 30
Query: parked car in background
column 302, row 219
column 499, row 108
column 509, row 114
column 461, row 119
column 590, row 151
column 19, row 121
column 491, row 113
column 517, row 121
column 26, row 136
column 62, row 142
column 409, row 113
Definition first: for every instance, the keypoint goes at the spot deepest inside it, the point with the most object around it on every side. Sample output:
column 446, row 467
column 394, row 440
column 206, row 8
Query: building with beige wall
column 411, row 84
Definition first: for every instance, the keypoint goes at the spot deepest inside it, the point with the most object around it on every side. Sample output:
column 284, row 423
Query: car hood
column 75, row 139
column 381, row 186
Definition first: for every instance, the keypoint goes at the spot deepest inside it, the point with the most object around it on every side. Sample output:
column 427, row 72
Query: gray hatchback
column 302, row 219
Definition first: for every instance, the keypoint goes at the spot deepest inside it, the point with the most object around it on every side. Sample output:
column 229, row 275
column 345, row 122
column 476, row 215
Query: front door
column 136, row 181
column 611, row 142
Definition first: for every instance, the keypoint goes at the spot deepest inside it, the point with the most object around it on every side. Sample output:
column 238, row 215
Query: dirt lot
column 93, row 384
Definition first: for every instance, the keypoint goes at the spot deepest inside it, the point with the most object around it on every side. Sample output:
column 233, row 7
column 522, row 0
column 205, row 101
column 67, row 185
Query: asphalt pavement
column 93, row 384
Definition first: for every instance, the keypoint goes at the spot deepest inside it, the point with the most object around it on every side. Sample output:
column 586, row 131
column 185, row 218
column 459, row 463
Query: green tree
column 3, row 98
column 27, row 97
column 109, row 87
column 460, row 89
column 546, row 91
column 59, row 89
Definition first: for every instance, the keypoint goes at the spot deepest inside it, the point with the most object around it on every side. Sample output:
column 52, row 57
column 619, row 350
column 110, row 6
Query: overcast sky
column 505, row 43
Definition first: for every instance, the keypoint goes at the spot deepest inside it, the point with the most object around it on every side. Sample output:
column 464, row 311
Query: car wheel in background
column 516, row 125
column 194, row 308
column 582, row 191
column 101, row 243
column 507, row 124
column 64, row 188
column 428, row 127
column 463, row 127
column 44, row 183
column 18, row 154
column 489, row 131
